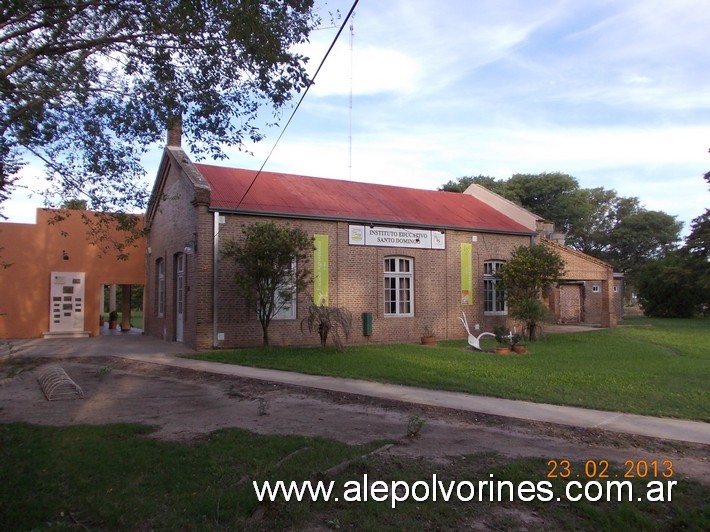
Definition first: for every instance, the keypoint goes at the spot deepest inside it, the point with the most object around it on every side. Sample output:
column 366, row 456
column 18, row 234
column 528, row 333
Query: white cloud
column 370, row 71
column 663, row 168
column 25, row 198
column 657, row 42
column 613, row 93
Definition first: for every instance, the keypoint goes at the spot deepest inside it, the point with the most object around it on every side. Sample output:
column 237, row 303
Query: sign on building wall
column 363, row 235
column 466, row 274
column 66, row 305
column 320, row 269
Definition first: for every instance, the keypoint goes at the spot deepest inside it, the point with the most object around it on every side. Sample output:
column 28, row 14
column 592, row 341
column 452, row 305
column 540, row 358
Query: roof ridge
column 580, row 254
column 293, row 195
column 331, row 179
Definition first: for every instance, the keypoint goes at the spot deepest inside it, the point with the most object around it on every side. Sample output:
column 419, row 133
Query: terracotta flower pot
column 429, row 340
column 520, row 349
column 502, row 350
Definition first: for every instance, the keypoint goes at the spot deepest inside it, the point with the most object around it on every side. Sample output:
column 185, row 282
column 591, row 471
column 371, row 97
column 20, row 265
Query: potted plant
column 517, row 345
column 102, row 319
column 428, row 338
column 112, row 319
column 504, row 338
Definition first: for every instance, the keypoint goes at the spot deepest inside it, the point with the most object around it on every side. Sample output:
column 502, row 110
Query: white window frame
column 160, row 265
column 596, row 289
column 180, row 283
column 398, row 286
column 287, row 311
column 494, row 302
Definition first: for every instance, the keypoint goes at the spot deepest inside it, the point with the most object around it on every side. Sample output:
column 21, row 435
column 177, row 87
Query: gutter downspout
column 215, row 278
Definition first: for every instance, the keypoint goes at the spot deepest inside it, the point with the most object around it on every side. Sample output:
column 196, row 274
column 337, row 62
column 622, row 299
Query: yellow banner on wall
column 320, row 269
column 467, row 274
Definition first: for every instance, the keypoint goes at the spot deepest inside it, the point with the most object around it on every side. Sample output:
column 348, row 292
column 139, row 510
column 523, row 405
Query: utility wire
column 332, row 44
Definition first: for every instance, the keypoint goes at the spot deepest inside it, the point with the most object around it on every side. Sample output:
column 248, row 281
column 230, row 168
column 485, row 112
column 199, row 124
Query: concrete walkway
column 151, row 350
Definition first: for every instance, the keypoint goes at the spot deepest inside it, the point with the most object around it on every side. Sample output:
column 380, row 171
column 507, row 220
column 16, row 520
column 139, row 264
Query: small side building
column 52, row 277
column 591, row 293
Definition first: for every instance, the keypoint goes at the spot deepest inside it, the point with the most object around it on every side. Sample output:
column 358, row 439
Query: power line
column 330, row 48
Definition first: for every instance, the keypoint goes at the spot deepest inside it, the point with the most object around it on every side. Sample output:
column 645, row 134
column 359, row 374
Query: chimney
column 175, row 131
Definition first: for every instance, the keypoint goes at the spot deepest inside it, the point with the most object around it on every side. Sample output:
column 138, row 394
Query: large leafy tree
column 596, row 221
column 602, row 211
column 698, row 241
column 88, row 85
column 676, row 286
column 271, row 266
column 554, row 196
column 530, row 271
column 620, row 231
column 677, row 283
column 697, row 254
column 462, row 183
column 640, row 238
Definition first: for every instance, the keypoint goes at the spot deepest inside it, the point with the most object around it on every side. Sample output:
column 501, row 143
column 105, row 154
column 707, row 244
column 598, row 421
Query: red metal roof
column 290, row 195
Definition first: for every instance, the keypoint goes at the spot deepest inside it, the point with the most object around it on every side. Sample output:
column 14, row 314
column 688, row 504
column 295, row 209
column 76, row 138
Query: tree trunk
column 265, row 333
column 532, row 328
column 323, row 329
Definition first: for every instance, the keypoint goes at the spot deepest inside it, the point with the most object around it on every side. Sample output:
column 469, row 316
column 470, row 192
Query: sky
column 615, row 93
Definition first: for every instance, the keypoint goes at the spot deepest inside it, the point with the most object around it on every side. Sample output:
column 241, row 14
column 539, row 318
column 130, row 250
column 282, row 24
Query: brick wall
column 356, row 275
column 356, row 279
column 179, row 219
column 588, row 285
column 356, row 282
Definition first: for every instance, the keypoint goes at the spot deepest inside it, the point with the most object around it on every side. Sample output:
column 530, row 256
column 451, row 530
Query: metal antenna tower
column 350, row 103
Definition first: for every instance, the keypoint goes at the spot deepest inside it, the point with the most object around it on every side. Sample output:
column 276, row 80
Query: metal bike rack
column 56, row 384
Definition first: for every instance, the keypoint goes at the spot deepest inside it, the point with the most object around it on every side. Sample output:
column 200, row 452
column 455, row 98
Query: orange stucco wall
column 33, row 251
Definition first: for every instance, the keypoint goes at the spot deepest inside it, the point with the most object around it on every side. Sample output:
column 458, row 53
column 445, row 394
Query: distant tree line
column 678, row 284
column 642, row 244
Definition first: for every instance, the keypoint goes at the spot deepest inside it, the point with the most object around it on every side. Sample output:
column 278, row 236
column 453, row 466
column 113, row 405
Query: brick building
column 590, row 292
column 412, row 260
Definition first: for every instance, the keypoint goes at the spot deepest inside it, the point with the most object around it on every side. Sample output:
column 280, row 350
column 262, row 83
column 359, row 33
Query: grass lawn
column 645, row 366
column 115, row 478
column 136, row 318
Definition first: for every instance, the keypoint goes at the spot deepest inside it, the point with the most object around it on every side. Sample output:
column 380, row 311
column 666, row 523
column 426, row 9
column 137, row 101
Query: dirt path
column 184, row 405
